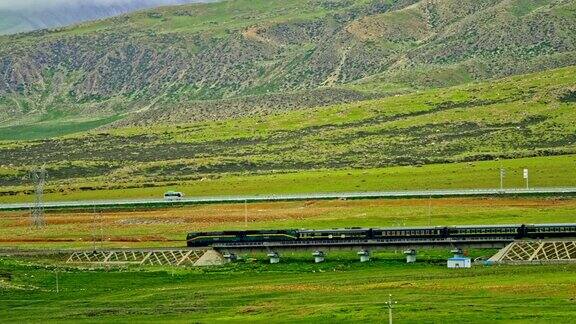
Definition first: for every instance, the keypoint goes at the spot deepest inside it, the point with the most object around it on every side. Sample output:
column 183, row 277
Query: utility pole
column 57, row 284
column 246, row 213
column 101, row 229
column 94, row 228
column 390, row 304
column 430, row 211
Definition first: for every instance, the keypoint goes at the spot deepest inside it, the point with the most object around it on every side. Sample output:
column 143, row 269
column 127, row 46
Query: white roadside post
column 526, row 177
column 502, row 175
column 390, row 304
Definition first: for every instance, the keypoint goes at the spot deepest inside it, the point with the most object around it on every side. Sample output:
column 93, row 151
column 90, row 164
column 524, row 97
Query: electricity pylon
column 38, row 177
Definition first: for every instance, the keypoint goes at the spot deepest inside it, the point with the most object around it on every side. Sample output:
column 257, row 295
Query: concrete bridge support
column 410, row 255
column 364, row 255
column 318, row 256
column 274, row 257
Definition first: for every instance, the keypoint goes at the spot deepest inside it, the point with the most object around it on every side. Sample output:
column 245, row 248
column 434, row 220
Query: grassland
column 297, row 290
column 523, row 116
column 168, row 227
column 53, row 128
column 555, row 171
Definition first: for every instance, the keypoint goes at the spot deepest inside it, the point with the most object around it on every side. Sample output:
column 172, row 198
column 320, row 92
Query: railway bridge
column 528, row 243
column 510, row 251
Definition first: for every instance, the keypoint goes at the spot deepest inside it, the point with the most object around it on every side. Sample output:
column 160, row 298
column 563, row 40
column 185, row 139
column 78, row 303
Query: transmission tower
column 38, row 177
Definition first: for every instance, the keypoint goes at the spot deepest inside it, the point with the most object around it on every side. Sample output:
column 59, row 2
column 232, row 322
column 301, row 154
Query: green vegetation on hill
column 175, row 64
column 523, row 116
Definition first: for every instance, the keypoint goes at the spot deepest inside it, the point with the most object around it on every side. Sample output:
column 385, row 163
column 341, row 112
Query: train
column 523, row 231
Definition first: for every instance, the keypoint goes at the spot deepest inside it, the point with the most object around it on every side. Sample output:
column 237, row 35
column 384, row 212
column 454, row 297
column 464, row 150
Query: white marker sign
column 525, row 173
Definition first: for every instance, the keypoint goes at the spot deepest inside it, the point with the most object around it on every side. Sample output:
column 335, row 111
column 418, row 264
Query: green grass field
column 168, row 227
column 132, row 107
column 296, row 290
column 51, row 129
column 554, row 171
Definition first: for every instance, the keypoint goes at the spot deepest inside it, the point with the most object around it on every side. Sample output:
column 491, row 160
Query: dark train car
column 209, row 238
column 541, row 231
column 335, row 234
column 514, row 231
column 409, row 232
column 538, row 231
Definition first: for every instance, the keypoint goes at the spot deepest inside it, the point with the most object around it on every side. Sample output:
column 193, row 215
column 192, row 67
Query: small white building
column 459, row 262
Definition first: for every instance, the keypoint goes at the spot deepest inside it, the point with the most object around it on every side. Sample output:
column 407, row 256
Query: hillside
column 522, row 116
column 256, row 57
column 17, row 16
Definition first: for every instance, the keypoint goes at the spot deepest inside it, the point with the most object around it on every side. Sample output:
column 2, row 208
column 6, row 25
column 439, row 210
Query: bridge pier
column 318, row 256
column 274, row 257
column 458, row 253
column 230, row 257
column 364, row 255
column 410, row 255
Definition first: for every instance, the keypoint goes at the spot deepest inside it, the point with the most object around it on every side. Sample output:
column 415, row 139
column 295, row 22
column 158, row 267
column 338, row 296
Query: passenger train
column 532, row 231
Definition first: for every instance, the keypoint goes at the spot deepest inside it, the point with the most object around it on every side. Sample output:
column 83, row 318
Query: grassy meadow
column 260, row 97
column 168, row 227
column 428, row 139
column 296, row 290
column 553, row 171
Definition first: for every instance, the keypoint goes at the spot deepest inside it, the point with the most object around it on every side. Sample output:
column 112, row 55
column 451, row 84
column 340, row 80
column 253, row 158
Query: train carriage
column 209, row 238
column 514, row 231
column 542, row 231
column 538, row 231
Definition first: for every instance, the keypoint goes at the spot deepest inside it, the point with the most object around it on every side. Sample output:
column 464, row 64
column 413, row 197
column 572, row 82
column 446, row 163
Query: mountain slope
column 28, row 15
column 180, row 63
column 522, row 116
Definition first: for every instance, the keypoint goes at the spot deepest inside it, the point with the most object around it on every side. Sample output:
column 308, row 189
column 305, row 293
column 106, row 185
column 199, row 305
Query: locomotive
column 532, row 231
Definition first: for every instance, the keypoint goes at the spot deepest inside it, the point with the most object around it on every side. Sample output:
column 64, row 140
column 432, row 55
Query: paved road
column 283, row 197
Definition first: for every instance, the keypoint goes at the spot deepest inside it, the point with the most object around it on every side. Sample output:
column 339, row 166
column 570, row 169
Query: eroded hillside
column 176, row 64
